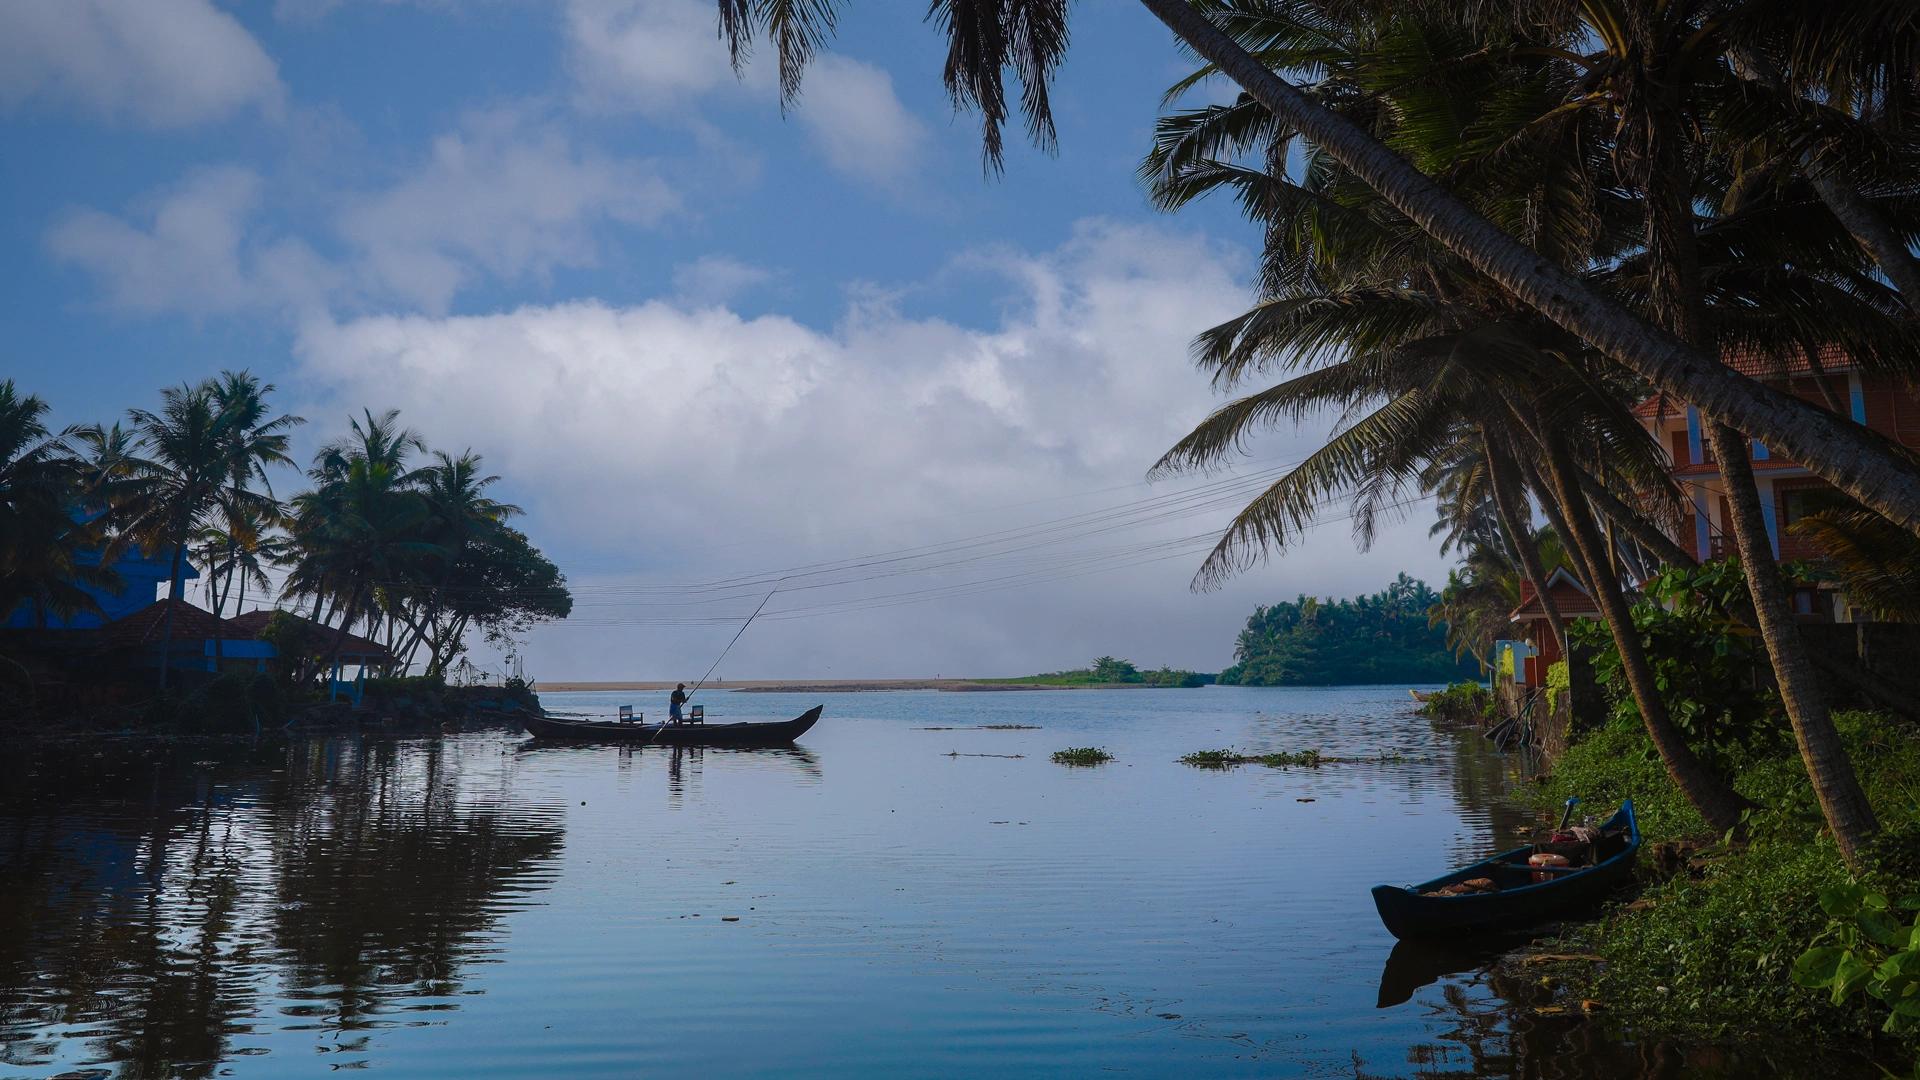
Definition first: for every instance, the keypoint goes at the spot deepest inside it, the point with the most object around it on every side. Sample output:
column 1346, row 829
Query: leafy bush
column 1713, row 948
column 405, row 686
column 1705, row 664
column 1461, row 703
column 1081, row 755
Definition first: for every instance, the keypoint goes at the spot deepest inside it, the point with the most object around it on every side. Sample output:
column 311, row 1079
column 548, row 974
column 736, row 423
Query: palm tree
column 461, row 515
column 1030, row 36
column 44, row 531
column 362, row 526
column 253, row 441
column 173, row 488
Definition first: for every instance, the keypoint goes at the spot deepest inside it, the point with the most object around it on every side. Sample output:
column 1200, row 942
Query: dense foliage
column 1705, row 661
column 1382, row 638
column 1711, row 949
column 411, row 554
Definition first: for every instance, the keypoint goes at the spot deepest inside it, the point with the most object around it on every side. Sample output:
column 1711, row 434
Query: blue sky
column 696, row 337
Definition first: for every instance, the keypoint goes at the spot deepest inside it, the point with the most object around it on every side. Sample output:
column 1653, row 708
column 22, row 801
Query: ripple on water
column 471, row 906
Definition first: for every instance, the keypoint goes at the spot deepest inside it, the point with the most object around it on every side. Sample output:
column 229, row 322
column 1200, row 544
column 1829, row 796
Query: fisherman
column 678, row 699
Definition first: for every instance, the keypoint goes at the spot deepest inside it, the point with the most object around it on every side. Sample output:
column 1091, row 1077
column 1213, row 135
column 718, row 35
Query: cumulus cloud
column 676, row 443
column 192, row 248
column 653, row 56
column 856, row 120
column 506, row 196
column 163, row 63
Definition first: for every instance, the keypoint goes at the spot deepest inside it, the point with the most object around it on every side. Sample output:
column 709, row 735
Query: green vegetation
column 389, row 541
column 1382, row 638
column 1461, row 703
column 1703, row 661
column 1305, row 759
column 1081, row 755
column 1711, row 948
column 1109, row 671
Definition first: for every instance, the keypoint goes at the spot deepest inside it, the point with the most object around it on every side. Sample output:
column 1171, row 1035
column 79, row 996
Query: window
column 1800, row 502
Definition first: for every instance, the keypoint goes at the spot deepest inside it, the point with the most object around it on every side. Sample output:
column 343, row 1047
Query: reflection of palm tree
column 383, row 896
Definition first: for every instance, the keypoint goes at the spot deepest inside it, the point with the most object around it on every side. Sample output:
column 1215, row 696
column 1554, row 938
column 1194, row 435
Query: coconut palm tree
column 44, row 531
column 362, row 525
column 173, row 487
column 1030, row 36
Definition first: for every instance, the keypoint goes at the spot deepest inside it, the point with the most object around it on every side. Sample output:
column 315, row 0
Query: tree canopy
column 1381, row 638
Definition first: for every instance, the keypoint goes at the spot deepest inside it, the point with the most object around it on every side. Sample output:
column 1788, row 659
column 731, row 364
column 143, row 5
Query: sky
column 704, row 341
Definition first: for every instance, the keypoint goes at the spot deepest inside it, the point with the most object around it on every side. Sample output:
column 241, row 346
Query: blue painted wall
column 140, row 576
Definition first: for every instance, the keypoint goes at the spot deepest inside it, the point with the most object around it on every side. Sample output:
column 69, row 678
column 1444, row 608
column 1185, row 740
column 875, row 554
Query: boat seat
column 696, row 714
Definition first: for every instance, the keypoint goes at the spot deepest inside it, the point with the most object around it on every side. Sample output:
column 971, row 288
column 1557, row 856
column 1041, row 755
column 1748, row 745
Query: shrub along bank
column 1710, row 946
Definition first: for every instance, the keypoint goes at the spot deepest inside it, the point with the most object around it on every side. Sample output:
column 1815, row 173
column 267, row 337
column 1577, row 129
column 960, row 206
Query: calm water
column 469, row 906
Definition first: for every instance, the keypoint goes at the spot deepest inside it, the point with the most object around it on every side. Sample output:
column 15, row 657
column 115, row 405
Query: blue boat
column 1517, row 899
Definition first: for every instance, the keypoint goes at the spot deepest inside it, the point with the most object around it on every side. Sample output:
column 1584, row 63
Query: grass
column 1081, row 755
column 1708, row 950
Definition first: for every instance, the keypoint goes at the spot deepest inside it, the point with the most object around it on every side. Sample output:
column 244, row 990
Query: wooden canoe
column 782, row 733
column 1520, row 901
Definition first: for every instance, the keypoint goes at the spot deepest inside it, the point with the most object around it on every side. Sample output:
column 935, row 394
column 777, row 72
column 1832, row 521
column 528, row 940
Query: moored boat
column 781, row 733
column 1507, row 891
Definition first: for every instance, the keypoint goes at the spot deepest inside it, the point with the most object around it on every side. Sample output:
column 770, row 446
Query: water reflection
column 360, row 878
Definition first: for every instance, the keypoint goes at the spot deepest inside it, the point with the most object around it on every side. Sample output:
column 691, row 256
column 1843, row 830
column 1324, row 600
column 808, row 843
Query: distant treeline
column 1109, row 671
column 1382, row 638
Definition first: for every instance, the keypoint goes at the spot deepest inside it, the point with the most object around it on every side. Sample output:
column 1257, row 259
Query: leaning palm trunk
column 1717, row 803
column 1507, row 504
column 1866, row 466
column 1872, row 232
column 1841, row 798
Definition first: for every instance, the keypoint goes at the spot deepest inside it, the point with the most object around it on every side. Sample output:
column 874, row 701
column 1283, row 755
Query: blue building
column 140, row 578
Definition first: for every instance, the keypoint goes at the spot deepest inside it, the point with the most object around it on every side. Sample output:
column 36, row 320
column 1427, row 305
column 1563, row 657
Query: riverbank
column 1708, row 946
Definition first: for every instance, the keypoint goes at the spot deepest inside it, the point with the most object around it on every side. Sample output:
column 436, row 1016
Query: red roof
column 148, row 626
column 250, row 624
column 1571, row 600
column 1754, row 365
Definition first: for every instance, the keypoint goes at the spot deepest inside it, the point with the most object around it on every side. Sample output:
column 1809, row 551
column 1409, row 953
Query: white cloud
column 859, row 124
column 505, row 195
column 191, row 248
column 164, row 63
column 653, row 56
column 681, row 443
column 716, row 279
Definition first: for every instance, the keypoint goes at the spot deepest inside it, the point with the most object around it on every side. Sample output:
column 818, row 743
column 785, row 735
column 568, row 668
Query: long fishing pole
column 736, row 637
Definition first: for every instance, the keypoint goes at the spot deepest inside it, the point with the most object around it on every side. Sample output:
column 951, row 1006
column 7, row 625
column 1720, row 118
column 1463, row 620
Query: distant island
column 1110, row 671
column 1383, row 638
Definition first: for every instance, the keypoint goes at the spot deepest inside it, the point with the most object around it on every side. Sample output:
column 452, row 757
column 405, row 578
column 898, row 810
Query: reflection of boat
column 1415, row 964
column 776, row 734
column 1421, row 696
column 1517, row 898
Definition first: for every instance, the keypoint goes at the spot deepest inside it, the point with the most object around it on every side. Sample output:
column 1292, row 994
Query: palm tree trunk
column 1872, row 232
column 1506, row 503
column 1645, row 533
column 1865, row 465
column 1717, row 803
column 339, row 637
column 166, row 618
column 1841, row 798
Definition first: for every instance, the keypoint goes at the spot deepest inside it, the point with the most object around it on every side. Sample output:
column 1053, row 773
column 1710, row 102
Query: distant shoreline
column 835, row 686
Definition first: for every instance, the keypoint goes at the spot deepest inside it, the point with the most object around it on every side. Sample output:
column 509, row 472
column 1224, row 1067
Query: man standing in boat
column 674, row 703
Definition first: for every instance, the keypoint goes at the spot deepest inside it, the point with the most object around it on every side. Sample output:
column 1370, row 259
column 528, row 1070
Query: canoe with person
column 1570, row 869
column 750, row 734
